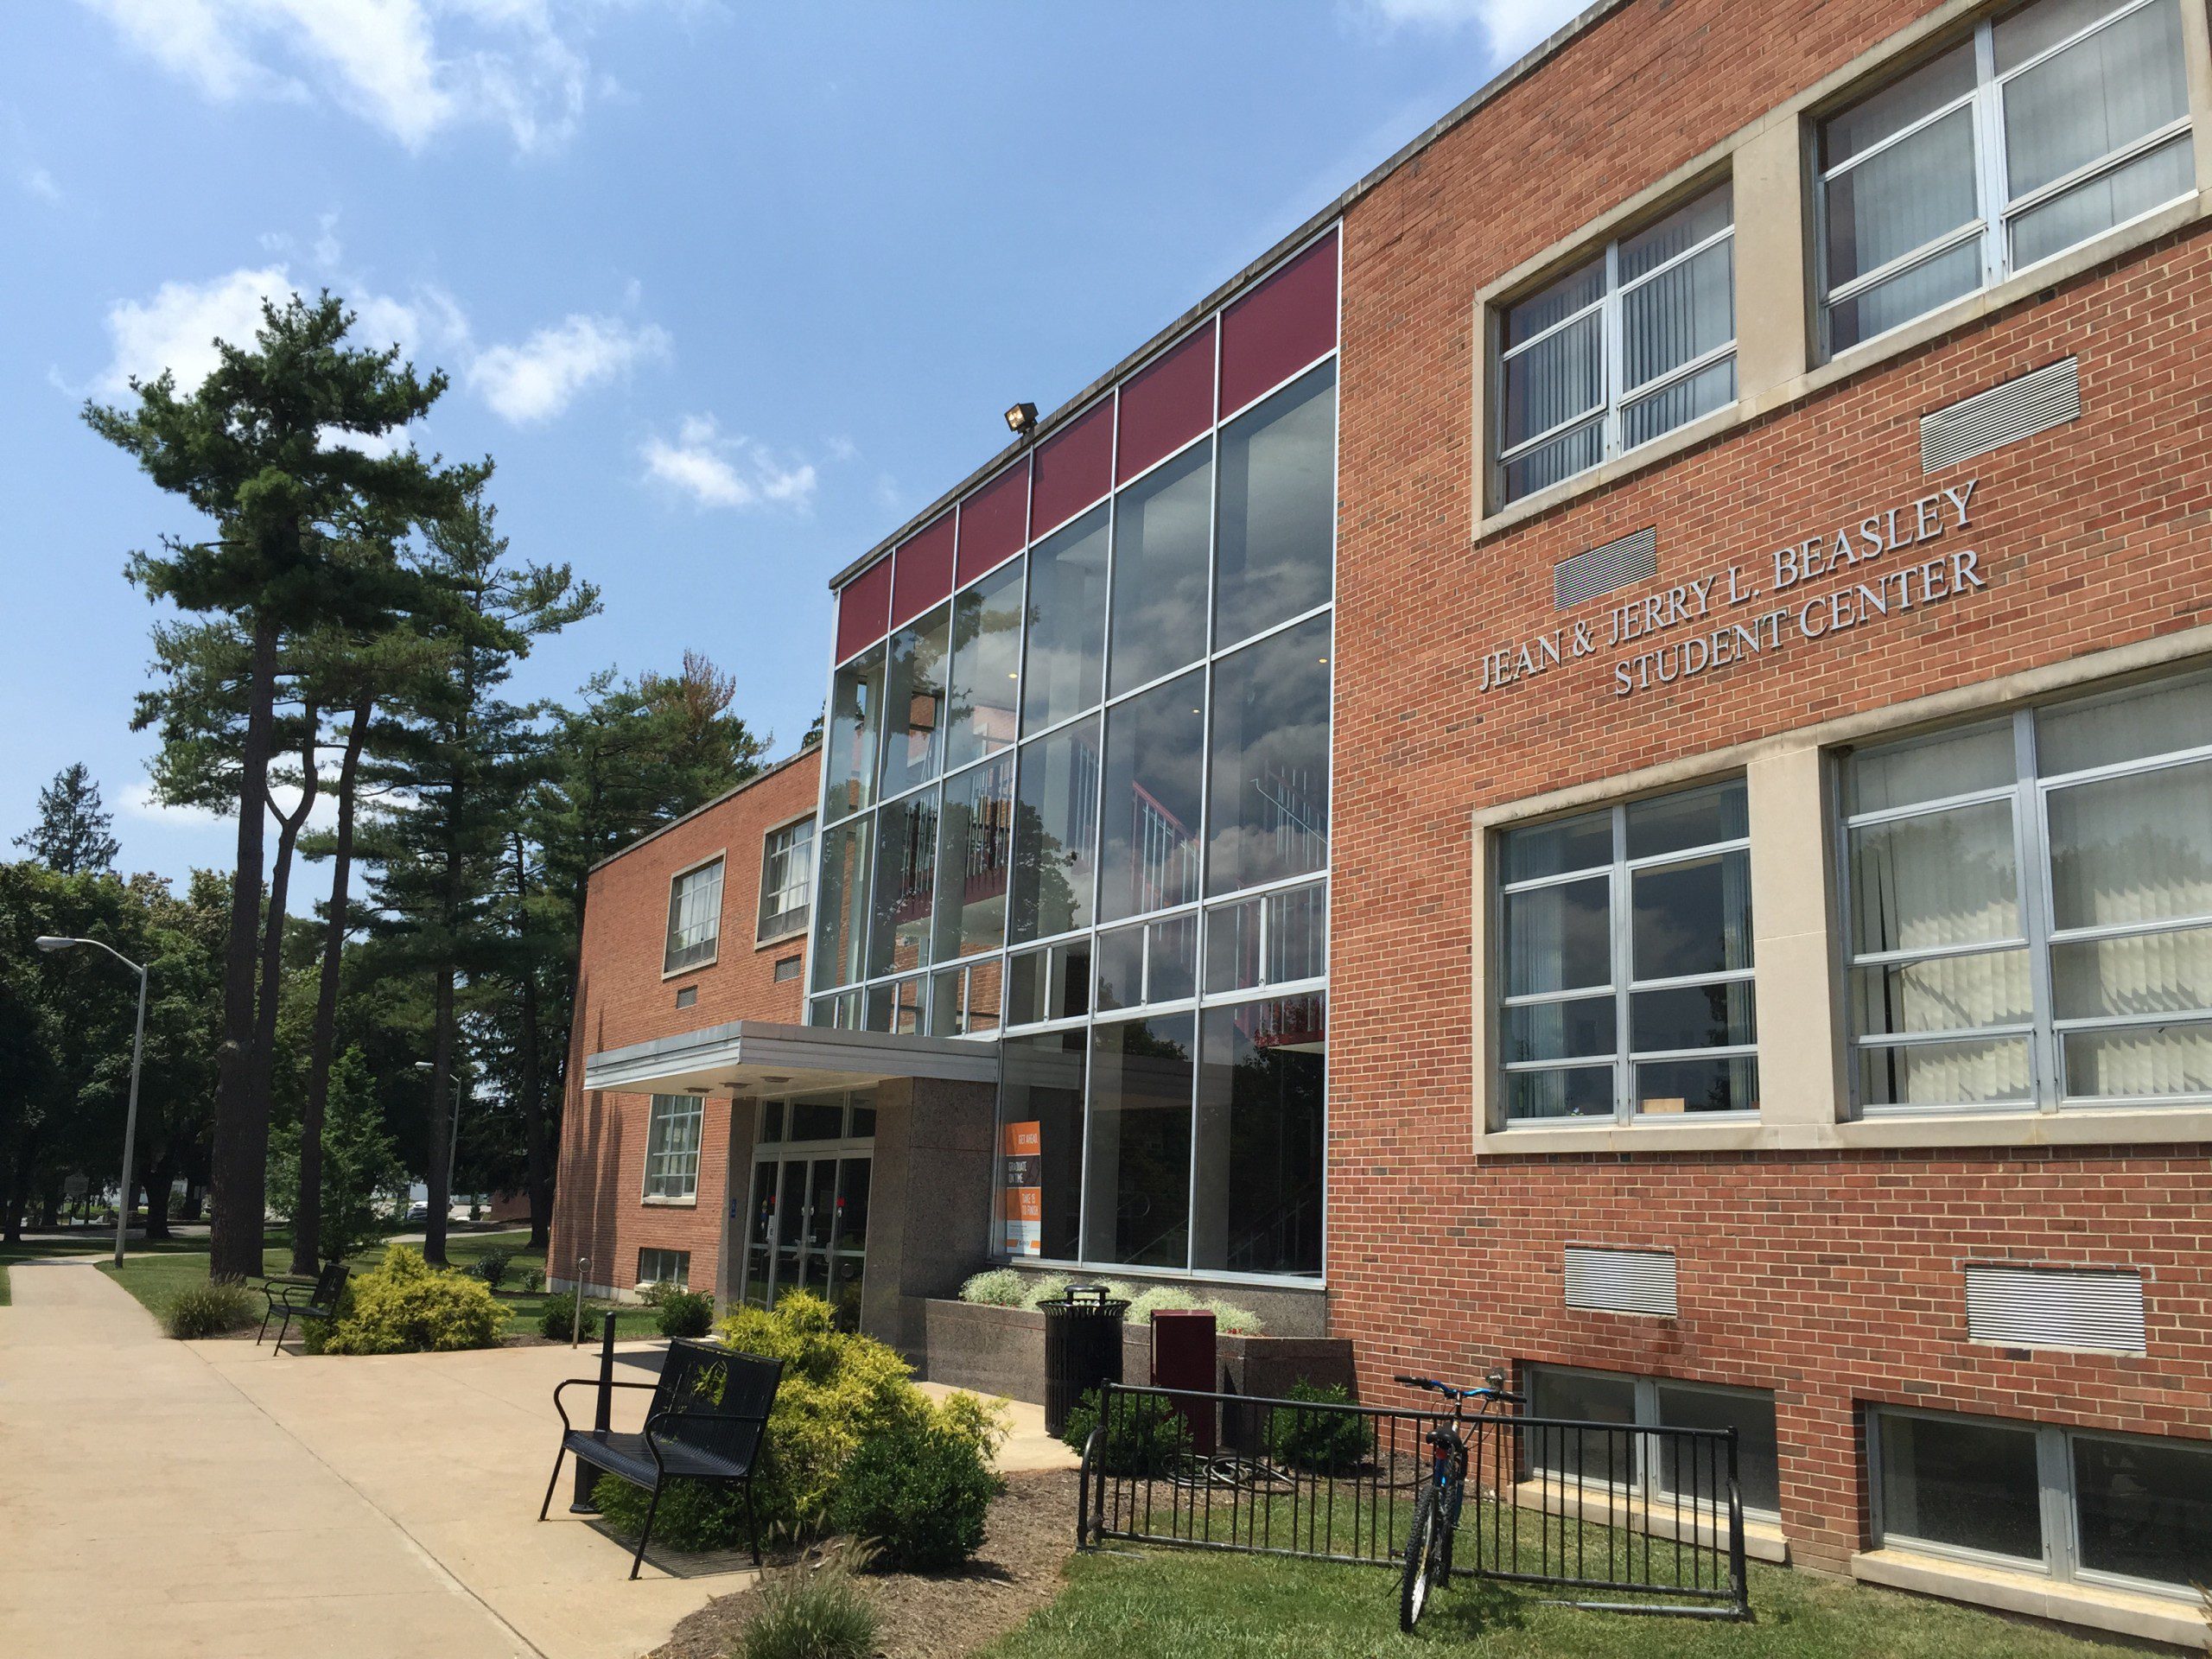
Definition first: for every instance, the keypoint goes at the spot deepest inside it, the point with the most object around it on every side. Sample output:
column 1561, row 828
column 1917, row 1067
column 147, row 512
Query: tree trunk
column 195, row 1197
column 240, row 1168
column 13, row 1196
column 440, row 1176
column 538, row 1178
column 288, row 825
column 307, row 1227
column 158, row 1181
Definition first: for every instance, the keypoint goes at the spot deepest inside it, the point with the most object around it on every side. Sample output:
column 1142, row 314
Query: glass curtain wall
column 1084, row 805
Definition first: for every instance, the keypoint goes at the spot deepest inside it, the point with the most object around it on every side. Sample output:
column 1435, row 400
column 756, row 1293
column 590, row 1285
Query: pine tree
column 460, row 762
column 251, row 449
column 70, row 836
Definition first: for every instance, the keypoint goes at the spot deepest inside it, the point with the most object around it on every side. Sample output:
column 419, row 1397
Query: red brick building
column 1674, row 618
column 690, row 927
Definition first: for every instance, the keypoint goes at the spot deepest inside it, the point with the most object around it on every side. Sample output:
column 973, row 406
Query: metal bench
column 296, row 1299
column 708, row 1422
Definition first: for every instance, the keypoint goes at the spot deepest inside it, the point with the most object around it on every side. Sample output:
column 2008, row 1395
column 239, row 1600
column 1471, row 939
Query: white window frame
column 671, row 966
column 681, row 1278
column 666, row 1170
column 2028, row 795
column 1620, row 874
column 770, row 852
column 1614, row 397
column 2058, row 1504
column 1991, row 227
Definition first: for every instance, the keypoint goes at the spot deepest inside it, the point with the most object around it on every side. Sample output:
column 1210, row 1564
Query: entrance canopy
column 752, row 1057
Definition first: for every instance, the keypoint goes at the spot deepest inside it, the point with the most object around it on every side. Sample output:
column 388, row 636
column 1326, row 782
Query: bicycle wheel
column 1424, row 1559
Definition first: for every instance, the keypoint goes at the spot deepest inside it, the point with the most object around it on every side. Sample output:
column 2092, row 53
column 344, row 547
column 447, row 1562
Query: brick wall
column 598, row 1208
column 1832, row 1279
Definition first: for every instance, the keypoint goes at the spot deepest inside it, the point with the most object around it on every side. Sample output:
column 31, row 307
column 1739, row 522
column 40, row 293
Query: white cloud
column 412, row 67
column 725, row 472
column 143, row 801
column 540, row 377
column 1513, row 26
column 177, row 328
column 41, row 183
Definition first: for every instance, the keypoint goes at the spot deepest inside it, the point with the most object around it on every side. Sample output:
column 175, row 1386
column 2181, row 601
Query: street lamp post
column 453, row 1146
column 48, row 942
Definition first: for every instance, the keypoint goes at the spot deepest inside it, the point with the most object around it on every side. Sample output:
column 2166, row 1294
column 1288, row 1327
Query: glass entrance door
column 808, row 1227
column 809, row 1231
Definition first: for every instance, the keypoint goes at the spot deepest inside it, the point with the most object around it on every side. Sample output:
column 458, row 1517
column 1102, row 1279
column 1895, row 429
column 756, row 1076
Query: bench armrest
column 588, row 1383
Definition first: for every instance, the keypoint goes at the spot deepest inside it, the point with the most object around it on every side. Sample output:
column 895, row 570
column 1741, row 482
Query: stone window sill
column 661, row 1203
column 2135, row 1126
column 2147, row 1617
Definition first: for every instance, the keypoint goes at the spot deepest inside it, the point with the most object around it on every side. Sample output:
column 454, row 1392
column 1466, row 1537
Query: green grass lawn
column 94, row 1242
column 155, row 1275
column 1166, row 1603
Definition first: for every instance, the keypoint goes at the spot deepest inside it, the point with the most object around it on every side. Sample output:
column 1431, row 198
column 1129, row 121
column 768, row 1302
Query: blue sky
column 728, row 289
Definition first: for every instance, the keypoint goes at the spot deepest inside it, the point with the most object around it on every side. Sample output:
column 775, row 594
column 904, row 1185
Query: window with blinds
column 694, row 918
column 672, row 1146
column 786, row 872
column 2042, row 130
column 1639, row 340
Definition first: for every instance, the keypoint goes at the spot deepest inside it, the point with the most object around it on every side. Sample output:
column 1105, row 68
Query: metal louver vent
column 1602, row 570
column 2034, row 403
column 1621, row 1281
column 2055, row 1307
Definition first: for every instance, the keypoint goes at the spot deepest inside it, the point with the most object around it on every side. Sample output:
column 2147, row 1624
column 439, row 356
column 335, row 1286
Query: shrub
column 491, row 1268
column 558, row 1318
column 822, row 1614
column 1145, row 1436
column 1232, row 1320
column 918, row 1490
column 213, row 1309
column 405, row 1306
column 1040, row 1287
column 687, row 1313
column 653, row 1291
column 533, row 1280
column 1320, row 1442
column 997, row 1287
column 839, row 1390
column 1158, row 1299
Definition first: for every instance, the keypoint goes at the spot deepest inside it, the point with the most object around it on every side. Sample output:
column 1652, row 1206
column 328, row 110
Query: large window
column 786, row 874
column 672, row 1146
column 913, row 702
column 665, row 1267
column 694, row 918
column 2044, row 129
column 1082, row 803
column 1626, row 959
column 2075, row 1502
column 1629, row 347
column 1657, row 1468
column 2031, row 907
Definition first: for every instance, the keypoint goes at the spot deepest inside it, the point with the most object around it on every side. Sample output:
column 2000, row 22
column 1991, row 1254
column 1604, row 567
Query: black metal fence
column 1612, row 1515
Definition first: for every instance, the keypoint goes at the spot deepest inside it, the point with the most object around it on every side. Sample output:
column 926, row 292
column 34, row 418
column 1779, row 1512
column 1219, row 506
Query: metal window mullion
column 2089, row 172
column 1934, row 248
column 1689, row 368
column 1907, row 955
column 1615, row 367
column 2128, row 9
column 1542, row 334
column 1621, row 926
column 1684, row 855
column 1990, row 171
column 2055, row 1480
column 2031, row 843
column 1573, row 422
column 1695, row 982
column 1890, row 141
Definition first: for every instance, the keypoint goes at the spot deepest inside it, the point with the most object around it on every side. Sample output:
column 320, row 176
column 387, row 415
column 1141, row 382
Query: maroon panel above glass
column 995, row 523
column 864, row 609
column 1166, row 404
column 1074, row 468
column 925, row 571
column 1279, row 327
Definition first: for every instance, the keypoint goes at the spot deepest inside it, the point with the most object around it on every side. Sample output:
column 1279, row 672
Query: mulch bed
column 1029, row 1534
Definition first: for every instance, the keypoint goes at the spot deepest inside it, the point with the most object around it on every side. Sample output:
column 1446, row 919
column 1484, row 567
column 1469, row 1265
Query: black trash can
column 1083, row 1348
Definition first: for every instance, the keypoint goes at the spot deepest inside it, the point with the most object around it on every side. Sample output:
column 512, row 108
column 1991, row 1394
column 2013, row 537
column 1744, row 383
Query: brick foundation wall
column 1831, row 1278
column 599, row 1210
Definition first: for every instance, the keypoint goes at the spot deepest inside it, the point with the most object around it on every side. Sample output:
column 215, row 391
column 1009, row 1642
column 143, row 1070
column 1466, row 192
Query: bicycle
column 1436, row 1511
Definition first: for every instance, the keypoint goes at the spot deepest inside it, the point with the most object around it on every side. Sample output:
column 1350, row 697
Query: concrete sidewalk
column 208, row 1499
